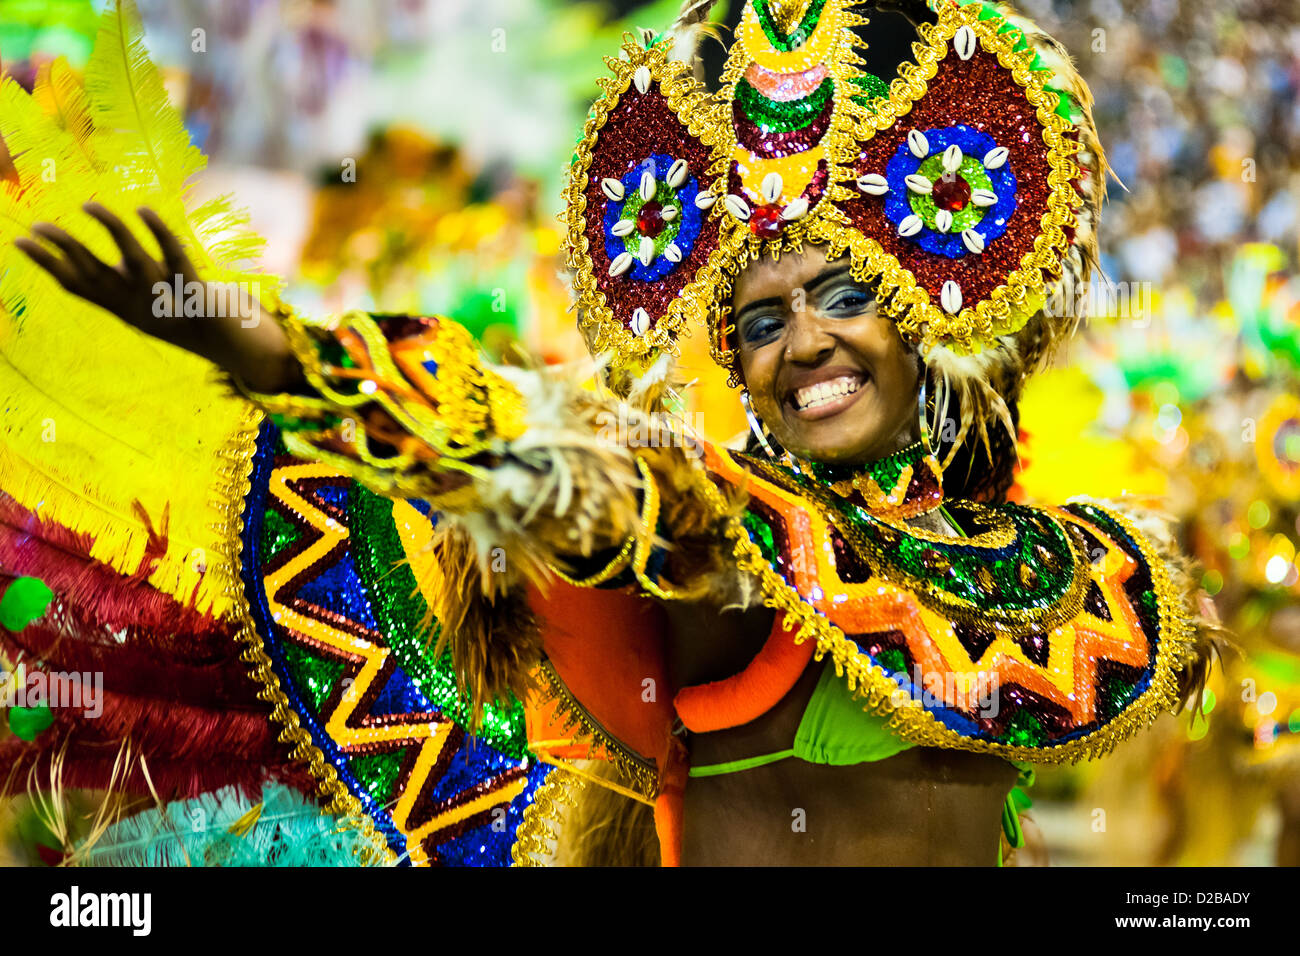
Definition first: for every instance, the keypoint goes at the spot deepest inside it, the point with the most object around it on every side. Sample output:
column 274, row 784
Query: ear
column 642, row 223
column 966, row 184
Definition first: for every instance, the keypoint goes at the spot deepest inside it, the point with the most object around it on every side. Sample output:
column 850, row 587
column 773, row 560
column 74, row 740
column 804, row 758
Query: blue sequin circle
column 689, row 220
column 972, row 143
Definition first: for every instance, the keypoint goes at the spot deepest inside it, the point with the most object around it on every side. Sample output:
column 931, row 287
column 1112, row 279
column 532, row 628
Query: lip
column 830, row 408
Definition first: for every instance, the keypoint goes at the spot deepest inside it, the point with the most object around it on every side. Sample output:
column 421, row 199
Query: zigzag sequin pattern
column 437, row 798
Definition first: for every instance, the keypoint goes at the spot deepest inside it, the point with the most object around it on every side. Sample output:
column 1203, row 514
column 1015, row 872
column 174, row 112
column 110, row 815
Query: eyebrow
column 834, row 272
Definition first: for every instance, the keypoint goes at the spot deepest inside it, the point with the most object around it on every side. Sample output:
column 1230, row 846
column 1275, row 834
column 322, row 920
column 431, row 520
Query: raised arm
column 521, row 459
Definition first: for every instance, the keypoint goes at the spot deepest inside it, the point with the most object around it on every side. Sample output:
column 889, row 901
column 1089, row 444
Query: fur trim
column 605, row 828
column 493, row 636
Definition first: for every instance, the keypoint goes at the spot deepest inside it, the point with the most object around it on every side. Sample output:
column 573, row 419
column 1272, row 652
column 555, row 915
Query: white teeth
column 677, row 173
column 771, row 187
column 873, row 184
column 952, row 158
column 814, row 395
column 919, row 184
column 647, row 251
column 983, row 197
column 964, row 41
column 648, row 185
column 918, row 144
column 612, row 189
column 623, row 227
column 641, row 77
column 705, row 200
column 995, row 157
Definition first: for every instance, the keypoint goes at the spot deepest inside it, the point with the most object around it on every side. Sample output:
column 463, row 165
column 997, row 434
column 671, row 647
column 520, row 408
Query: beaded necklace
column 903, row 485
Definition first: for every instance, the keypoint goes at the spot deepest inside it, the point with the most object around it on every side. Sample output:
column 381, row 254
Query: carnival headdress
column 966, row 188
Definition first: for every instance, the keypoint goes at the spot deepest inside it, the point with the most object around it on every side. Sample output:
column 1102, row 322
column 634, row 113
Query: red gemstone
column 650, row 219
column 766, row 222
column 951, row 193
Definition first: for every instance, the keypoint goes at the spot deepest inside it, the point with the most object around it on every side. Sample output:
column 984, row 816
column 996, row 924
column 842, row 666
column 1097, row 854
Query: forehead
column 769, row 278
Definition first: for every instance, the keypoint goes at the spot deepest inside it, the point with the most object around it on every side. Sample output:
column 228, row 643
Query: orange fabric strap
column 753, row 692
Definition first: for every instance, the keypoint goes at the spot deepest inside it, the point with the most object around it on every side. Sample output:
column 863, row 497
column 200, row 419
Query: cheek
column 758, row 374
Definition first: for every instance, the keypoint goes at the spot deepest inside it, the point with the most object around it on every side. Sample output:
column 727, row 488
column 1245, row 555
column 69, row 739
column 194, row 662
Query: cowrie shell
column 677, row 173
column 641, row 77
column 950, row 297
column 612, row 189
column 983, row 197
column 918, row 144
column 640, row 321
column 964, row 41
column 647, row 251
column 995, row 157
column 622, row 262
column 648, row 185
column 673, row 252
column 669, row 213
column 952, row 158
column 910, row 225
column 771, row 188
column 873, row 184
column 736, row 206
column 705, row 200
column 919, row 184
column 623, row 227
column 972, row 240
column 796, row 209
column 943, row 220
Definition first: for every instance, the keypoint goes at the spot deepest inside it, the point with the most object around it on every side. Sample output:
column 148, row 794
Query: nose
column 807, row 342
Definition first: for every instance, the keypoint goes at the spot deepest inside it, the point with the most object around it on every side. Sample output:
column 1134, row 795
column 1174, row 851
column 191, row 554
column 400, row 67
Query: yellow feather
column 99, row 416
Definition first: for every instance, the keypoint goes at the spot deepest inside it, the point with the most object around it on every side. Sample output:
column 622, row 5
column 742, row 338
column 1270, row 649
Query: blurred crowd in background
column 408, row 155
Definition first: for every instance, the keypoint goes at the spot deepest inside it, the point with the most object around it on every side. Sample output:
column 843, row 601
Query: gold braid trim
column 641, row 772
column 703, row 118
column 233, row 490
column 911, row 720
column 535, row 832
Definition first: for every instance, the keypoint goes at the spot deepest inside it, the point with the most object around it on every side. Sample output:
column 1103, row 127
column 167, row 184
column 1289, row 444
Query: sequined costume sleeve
column 517, row 458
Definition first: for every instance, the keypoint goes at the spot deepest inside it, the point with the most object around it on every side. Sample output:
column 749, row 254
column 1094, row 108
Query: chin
column 837, row 448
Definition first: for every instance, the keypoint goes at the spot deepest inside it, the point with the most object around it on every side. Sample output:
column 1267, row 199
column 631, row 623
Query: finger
column 62, row 272
column 173, row 253
column 133, row 254
column 82, row 259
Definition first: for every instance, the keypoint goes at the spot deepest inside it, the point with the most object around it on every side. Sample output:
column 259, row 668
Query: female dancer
column 839, row 645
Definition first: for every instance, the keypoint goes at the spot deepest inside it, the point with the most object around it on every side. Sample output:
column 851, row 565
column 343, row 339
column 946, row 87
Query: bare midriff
column 921, row 807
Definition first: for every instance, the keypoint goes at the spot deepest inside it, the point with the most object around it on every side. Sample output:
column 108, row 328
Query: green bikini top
column 834, row 730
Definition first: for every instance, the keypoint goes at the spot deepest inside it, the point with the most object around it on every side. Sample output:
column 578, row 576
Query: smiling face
column 830, row 378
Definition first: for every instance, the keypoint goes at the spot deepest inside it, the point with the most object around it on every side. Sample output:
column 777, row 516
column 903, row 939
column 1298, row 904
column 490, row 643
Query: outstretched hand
column 231, row 329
